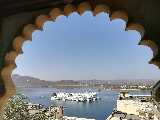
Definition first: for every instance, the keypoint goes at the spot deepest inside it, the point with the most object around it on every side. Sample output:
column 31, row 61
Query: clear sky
column 85, row 47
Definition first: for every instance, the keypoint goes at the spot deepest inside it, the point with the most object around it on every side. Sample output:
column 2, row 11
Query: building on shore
column 135, row 107
column 52, row 113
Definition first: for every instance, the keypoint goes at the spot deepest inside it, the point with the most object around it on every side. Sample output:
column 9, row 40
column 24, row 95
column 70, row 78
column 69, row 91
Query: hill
column 29, row 82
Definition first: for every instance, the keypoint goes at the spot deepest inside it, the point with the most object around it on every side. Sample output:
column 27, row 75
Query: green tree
column 39, row 116
column 16, row 109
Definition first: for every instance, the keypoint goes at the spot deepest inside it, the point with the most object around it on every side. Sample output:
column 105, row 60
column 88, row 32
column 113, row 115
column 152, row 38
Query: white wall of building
column 133, row 106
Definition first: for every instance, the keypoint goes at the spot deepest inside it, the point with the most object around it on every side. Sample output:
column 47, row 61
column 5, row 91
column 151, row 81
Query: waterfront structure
column 52, row 113
column 156, row 92
column 34, row 108
column 156, row 100
column 117, row 115
column 135, row 107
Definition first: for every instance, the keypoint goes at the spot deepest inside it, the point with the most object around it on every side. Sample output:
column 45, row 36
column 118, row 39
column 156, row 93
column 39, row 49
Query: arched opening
column 120, row 30
column 63, row 27
column 56, row 12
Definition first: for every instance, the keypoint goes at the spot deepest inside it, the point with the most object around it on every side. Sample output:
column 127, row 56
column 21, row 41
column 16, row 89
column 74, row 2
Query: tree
column 16, row 109
column 39, row 116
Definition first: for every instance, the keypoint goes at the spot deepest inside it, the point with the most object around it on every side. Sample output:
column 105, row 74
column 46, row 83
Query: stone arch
column 53, row 14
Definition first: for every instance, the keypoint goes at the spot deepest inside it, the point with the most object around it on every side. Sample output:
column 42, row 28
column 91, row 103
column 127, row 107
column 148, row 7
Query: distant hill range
column 32, row 82
column 29, row 82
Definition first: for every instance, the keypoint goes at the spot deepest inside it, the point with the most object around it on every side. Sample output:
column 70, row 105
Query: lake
column 98, row 110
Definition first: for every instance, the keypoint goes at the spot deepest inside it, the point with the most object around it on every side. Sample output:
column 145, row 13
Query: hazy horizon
column 86, row 47
column 89, row 79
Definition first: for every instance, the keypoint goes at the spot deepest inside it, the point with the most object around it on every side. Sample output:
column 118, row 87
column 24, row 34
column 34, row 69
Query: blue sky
column 85, row 47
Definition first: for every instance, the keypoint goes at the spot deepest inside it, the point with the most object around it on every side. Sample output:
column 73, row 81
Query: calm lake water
column 98, row 110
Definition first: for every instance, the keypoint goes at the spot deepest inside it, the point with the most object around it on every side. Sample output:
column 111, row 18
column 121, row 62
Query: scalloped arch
column 54, row 13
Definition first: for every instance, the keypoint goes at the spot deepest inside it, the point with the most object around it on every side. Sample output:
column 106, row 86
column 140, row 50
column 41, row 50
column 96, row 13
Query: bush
column 16, row 109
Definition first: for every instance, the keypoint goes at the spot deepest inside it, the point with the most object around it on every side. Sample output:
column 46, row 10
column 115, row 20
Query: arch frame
column 28, row 29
